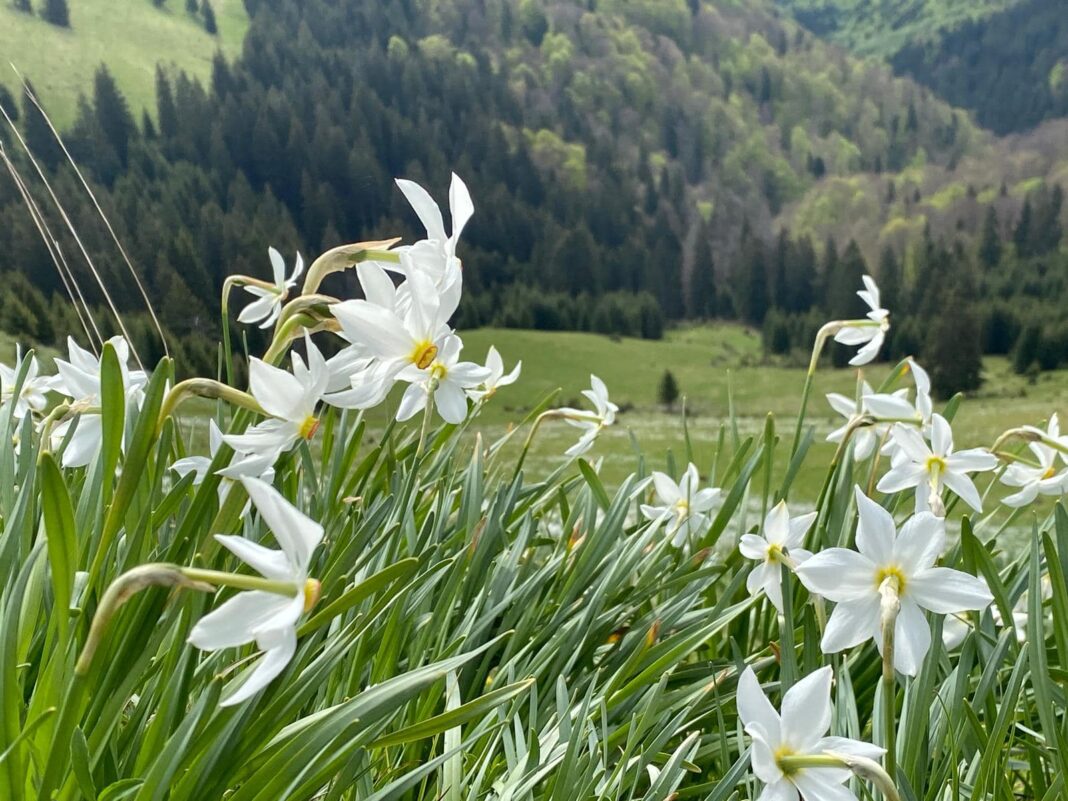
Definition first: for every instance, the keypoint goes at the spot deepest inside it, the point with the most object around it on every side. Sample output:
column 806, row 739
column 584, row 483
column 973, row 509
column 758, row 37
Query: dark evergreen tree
column 112, row 113
column 39, row 137
column 209, row 17
column 1025, row 354
column 990, row 240
column 845, row 279
column 56, row 12
column 668, row 390
column 751, row 279
column 25, row 6
column 192, row 7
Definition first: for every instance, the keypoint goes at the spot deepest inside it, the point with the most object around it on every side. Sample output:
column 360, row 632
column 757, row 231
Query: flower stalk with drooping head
column 869, row 332
column 1042, row 476
column 791, row 753
column 682, row 507
column 929, row 468
column 268, row 609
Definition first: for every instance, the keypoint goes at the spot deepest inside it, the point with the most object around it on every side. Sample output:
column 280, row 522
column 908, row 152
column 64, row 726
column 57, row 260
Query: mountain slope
column 130, row 36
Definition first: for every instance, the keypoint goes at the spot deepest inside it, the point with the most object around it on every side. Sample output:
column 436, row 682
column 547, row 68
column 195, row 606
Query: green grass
column 130, row 36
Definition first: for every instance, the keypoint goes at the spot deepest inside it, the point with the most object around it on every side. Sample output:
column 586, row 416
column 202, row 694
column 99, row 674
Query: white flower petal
column 851, row 624
column 839, row 575
column 755, row 708
column 912, row 638
column 267, row 562
column 875, row 529
column 806, row 710
column 920, row 542
column 944, row 590
column 279, row 647
column 235, row 622
column 297, row 533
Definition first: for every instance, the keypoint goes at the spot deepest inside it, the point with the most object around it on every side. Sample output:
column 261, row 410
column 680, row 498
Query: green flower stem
column 206, row 388
column 548, row 414
column 228, row 285
column 890, row 606
column 56, row 415
column 219, row 578
column 817, row 348
column 862, row 767
column 286, row 333
column 428, row 415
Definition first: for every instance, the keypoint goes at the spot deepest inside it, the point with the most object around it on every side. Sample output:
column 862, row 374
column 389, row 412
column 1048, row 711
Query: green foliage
column 56, row 12
column 667, row 391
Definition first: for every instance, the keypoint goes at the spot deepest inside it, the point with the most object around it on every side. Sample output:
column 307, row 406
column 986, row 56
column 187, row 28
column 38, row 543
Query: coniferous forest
column 635, row 164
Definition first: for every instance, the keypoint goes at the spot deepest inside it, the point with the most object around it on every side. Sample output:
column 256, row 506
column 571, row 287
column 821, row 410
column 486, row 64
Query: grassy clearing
column 130, row 36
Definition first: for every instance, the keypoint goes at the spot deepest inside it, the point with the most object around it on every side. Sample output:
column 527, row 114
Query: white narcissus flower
column 79, row 380
column 779, row 544
column 683, row 507
column 32, row 393
column 254, row 465
column 897, row 406
column 393, row 337
column 266, row 618
column 799, row 731
column 591, row 423
column 871, row 332
column 496, row 378
column 290, row 399
column 1043, row 479
column 905, row 559
column 269, row 299
column 451, row 380
column 927, row 468
column 865, row 438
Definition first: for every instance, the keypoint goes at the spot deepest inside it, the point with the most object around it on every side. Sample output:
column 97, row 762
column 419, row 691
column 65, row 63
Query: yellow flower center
column 1051, row 471
column 682, row 507
column 309, row 427
column 774, row 553
column 439, row 371
column 312, row 590
column 423, row 354
column 894, row 573
column 935, row 464
column 781, row 752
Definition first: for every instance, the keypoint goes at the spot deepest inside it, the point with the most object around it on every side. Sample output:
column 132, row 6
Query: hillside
column 130, row 36
column 1005, row 60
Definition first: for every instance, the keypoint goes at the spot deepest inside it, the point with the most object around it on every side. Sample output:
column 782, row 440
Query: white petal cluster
column 929, row 467
column 591, row 423
column 265, row 309
column 869, row 333
column 265, row 618
column 79, row 380
column 852, row 580
column 1048, row 477
column 32, row 394
column 800, row 730
column 683, row 507
column 779, row 544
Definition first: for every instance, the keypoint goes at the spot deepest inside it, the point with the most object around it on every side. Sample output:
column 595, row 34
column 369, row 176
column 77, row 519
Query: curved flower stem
column 548, row 414
column 286, row 333
column 345, row 256
column 56, row 415
column 890, row 606
column 860, row 766
column 157, row 574
column 205, row 388
column 428, row 415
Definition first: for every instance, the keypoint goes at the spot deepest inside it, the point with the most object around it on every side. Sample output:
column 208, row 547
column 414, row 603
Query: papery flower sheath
column 269, row 619
column 799, row 731
column 852, row 580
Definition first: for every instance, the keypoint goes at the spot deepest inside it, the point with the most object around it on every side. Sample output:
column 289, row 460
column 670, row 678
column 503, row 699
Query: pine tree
column 668, row 391
column 751, row 279
column 112, row 113
column 990, row 240
column 167, row 112
column 56, row 12
column 39, row 137
column 192, row 7
column 1021, row 237
column 1025, row 354
column 845, row 279
column 209, row 17
column 24, row 5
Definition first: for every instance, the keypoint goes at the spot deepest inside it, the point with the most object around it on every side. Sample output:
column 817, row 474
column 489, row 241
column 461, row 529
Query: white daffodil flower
column 198, row 465
column 871, row 332
column 435, row 256
column 254, row 465
column 928, row 468
column 32, row 394
column 290, row 399
column 905, row 560
column 683, row 507
column 447, row 377
column 778, row 544
column 865, row 438
column 897, row 406
column 799, row 731
column 269, row 298
column 79, row 380
column 591, row 423
column 266, row 618
column 394, row 338
column 1043, row 479
column 496, row 377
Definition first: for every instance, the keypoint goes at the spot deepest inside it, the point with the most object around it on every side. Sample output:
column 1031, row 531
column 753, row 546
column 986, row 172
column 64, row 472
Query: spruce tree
column 192, row 7
column 24, row 5
column 39, row 137
column 56, row 12
column 209, row 17
column 845, row 280
column 990, row 240
column 112, row 113
column 668, row 391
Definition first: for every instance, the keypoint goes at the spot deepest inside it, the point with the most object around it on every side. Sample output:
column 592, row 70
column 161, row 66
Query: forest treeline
column 626, row 159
